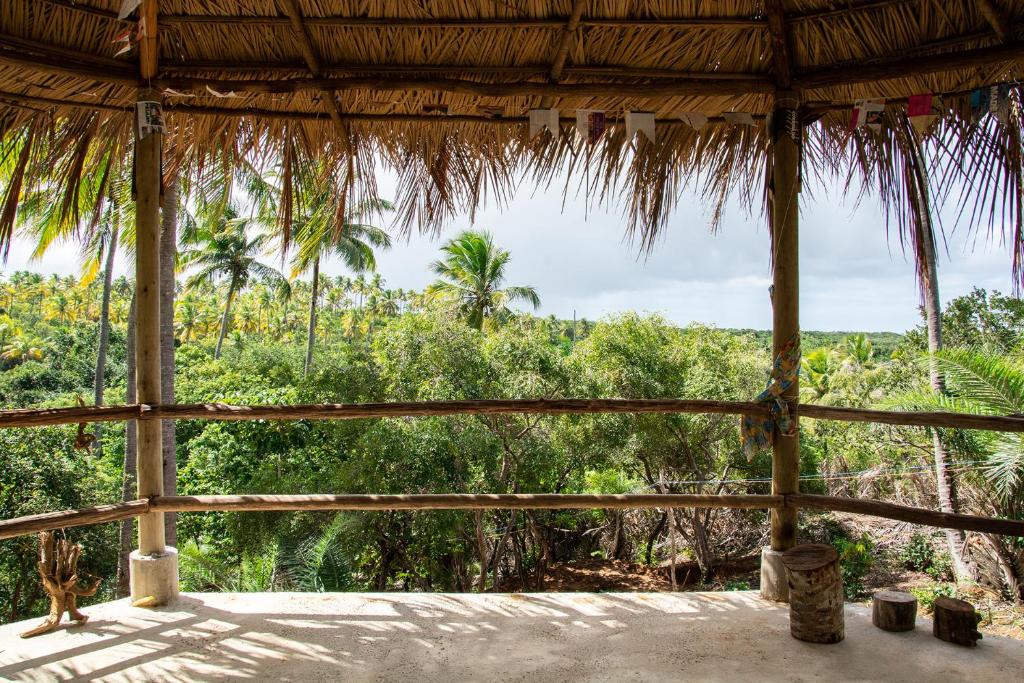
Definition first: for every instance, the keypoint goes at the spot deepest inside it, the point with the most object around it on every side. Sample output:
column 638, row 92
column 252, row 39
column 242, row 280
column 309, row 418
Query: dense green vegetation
column 241, row 337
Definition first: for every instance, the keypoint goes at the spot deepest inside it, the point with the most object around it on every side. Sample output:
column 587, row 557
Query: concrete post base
column 774, row 584
column 154, row 576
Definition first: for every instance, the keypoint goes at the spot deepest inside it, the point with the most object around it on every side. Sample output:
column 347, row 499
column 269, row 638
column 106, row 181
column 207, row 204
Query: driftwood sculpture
column 58, row 569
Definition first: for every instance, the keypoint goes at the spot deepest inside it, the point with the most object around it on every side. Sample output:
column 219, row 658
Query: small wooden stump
column 956, row 622
column 894, row 611
column 815, row 593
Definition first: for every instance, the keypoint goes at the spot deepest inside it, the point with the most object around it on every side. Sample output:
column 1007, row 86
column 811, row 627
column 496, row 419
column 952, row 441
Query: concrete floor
column 446, row 637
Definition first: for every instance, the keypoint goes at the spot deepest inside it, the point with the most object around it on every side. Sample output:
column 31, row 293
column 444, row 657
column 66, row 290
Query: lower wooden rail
column 31, row 524
column 505, row 501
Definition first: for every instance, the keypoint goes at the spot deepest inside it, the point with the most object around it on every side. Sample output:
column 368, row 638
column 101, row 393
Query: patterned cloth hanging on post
column 757, row 432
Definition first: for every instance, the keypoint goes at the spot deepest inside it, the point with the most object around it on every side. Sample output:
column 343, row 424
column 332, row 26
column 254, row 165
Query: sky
column 852, row 276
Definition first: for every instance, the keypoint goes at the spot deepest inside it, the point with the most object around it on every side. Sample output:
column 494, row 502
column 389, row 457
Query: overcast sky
column 853, row 278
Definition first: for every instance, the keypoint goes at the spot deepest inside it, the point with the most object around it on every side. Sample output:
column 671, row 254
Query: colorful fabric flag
column 867, row 113
column 757, row 432
column 541, row 119
column 640, row 122
column 150, row 119
column 127, row 7
column 739, row 118
column 694, row 119
column 992, row 99
column 590, row 123
column 919, row 109
column 919, row 105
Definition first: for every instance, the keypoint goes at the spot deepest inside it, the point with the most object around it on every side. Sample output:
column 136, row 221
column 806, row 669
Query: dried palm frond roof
column 440, row 89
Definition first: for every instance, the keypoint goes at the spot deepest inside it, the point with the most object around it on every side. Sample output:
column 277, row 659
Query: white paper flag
column 127, row 7
column 221, row 94
column 739, row 118
column 694, row 119
column 640, row 121
column 541, row 119
column 867, row 113
column 150, row 119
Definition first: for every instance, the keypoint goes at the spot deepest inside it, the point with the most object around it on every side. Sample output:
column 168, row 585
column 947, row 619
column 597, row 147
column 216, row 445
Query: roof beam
column 996, row 18
column 309, row 54
column 781, row 53
column 902, row 67
column 662, row 88
column 564, row 44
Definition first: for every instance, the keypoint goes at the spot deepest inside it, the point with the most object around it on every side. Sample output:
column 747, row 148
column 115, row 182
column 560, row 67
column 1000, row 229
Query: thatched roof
column 440, row 90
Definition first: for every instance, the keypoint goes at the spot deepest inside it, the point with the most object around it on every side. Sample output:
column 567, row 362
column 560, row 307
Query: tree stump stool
column 815, row 593
column 956, row 622
column 894, row 611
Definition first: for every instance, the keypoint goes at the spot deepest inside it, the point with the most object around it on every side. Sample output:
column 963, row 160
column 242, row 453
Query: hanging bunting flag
column 126, row 38
column 171, row 92
column 150, row 119
column 221, row 94
column 867, row 113
column 541, row 119
column 640, row 122
column 739, row 118
column 694, row 119
column 993, row 99
column 919, row 109
column 590, row 123
column 127, row 7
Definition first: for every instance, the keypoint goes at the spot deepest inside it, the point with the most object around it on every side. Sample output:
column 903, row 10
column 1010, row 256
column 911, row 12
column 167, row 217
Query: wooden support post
column 147, row 283
column 786, row 132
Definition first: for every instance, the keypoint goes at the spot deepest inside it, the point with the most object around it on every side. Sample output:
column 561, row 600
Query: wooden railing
column 248, row 503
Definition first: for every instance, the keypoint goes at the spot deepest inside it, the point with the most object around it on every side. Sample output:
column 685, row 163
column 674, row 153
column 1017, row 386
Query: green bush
column 855, row 558
column 920, row 555
column 926, row 594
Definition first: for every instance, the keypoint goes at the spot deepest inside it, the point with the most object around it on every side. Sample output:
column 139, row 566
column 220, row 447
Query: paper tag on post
column 150, row 119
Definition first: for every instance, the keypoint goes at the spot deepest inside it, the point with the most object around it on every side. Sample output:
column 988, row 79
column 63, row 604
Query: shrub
column 926, row 594
column 920, row 555
column 855, row 559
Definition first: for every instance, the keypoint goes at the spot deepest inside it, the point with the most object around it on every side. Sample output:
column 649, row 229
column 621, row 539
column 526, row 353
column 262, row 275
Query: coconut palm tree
column 322, row 232
column 472, row 272
column 224, row 250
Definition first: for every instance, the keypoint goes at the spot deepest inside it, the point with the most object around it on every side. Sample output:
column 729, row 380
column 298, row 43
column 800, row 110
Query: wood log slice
column 956, row 622
column 894, row 611
column 815, row 593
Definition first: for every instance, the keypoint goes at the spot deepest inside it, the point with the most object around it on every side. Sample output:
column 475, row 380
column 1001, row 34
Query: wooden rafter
column 995, row 16
column 312, row 58
column 782, row 55
column 565, row 42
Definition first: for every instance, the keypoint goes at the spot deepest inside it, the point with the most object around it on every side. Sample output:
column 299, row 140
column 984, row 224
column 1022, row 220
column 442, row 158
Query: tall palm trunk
column 929, row 279
column 168, row 256
column 129, row 468
column 225, row 319
column 99, row 382
column 311, row 335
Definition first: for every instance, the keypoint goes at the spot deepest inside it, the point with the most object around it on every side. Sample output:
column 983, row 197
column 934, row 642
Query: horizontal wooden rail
column 484, row 501
column 905, row 513
column 31, row 524
column 457, row 501
column 350, row 411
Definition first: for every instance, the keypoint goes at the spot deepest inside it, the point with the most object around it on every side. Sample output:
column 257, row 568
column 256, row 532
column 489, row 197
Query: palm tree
column 472, row 273
column 224, row 250
column 322, row 232
column 987, row 384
